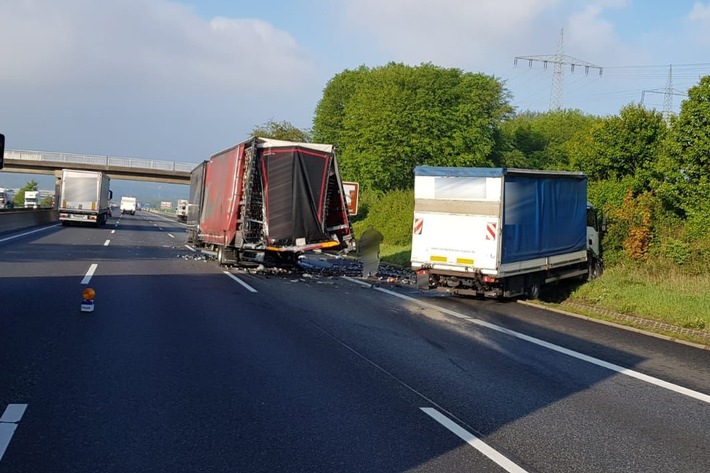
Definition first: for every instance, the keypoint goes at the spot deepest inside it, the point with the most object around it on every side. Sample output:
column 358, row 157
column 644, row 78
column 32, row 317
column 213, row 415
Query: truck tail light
column 489, row 279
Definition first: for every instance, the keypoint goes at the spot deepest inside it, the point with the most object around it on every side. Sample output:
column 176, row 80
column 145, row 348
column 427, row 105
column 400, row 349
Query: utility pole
column 668, row 92
column 559, row 60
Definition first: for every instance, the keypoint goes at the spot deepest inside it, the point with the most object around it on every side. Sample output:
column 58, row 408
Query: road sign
column 352, row 194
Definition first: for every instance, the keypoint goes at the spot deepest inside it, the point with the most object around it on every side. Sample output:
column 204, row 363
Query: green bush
column 678, row 251
column 391, row 214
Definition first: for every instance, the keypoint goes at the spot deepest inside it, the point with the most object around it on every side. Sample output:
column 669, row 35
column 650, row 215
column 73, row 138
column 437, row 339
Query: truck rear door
column 456, row 223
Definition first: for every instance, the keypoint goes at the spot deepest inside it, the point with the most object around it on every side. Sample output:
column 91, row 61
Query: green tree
column 281, row 131
column 20, row 196
column 625, row 145
column 535, row 140
column 389, row 119
column 684, row 171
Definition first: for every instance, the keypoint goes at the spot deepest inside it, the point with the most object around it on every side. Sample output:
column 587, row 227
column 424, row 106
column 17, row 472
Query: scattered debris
column 316, row 266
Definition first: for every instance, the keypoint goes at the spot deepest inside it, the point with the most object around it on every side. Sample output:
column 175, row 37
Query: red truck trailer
column 268, row 201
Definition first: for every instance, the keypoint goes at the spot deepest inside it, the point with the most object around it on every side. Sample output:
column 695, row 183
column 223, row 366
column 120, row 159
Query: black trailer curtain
column 295, row 181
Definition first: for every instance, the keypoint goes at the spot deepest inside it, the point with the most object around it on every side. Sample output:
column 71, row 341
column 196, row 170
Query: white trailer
column 84, row 197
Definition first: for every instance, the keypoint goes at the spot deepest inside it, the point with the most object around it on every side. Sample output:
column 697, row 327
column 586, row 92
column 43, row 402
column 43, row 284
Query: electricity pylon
column 668, row 92
column 560, row 59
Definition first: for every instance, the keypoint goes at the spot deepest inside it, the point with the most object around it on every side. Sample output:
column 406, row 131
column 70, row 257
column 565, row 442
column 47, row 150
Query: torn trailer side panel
column 266, row 196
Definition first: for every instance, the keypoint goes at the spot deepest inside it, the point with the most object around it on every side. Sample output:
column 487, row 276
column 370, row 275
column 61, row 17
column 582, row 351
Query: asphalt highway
column 184, row 366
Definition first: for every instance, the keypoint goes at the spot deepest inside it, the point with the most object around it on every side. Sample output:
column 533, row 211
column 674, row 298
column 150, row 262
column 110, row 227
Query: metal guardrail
column 71, row 158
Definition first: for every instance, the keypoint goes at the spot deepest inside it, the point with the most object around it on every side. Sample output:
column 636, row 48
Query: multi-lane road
column 186, row 367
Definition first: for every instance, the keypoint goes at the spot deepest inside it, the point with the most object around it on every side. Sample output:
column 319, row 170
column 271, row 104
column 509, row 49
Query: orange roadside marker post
column 87, row 303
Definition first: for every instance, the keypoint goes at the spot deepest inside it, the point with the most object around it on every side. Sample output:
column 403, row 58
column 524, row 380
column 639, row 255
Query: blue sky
column 182, row 79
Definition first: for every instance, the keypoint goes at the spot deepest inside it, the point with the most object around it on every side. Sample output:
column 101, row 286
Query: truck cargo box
column 498, row 222
column 84, row 197
column 265, row 195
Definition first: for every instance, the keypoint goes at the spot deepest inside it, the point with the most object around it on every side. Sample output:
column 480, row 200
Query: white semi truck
column 498, row 232
column 181, row 211
column 84, row 197
column 31, row 199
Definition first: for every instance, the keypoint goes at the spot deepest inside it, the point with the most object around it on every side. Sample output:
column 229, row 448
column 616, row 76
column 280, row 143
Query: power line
column 558, row 60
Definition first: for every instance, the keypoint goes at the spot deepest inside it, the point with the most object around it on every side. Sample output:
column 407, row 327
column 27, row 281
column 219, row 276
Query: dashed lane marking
column 473, row 441
column 8, row 424
column 247, row 286
column 89, row 274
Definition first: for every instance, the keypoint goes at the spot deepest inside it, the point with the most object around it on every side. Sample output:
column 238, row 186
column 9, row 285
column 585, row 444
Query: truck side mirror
column 2, row 150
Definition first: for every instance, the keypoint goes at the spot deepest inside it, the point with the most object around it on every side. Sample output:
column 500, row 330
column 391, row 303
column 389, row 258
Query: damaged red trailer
column 268, row 201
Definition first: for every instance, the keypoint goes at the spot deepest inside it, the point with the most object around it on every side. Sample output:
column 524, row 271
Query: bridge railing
column 72, row 158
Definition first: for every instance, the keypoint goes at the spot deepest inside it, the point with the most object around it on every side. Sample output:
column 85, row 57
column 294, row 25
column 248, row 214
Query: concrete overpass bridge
column 133, row 169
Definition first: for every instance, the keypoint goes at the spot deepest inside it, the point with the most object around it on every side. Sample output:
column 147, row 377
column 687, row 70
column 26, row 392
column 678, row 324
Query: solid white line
column 107, row 242
column 473, row 441
column 551, row 346
column 190, row 248
column 170, row 235
column 8, row 423
column 13, row 413
column 27, row 233
column 247, row 286
column 89, row 274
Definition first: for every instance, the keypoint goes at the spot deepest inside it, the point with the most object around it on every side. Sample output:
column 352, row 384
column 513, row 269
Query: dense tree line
column 387, row 120
column 652, row 177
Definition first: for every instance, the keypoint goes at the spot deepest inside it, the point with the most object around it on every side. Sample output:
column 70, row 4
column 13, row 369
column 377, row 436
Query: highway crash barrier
column 18, row 219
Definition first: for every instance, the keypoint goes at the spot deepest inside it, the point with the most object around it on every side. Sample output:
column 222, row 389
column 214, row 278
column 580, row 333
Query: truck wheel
column 534, row 286
column 595, row 269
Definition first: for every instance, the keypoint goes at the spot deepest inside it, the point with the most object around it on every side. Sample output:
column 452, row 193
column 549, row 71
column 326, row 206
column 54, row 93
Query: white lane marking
column 13, row 413
column 473, row 441
column 247, row 286
column 89, row 274
column 170, row 235
column 8, row 423
column 107, row 242
column 190, row 248
column 28, row 233
column 551, row 346
column 113, row 231
column 160, row 228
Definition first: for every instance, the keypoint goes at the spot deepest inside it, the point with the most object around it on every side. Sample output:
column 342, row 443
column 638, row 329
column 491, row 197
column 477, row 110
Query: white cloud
column 700, row 12
column 149, row 44
column 449, row 32
column 146, row 78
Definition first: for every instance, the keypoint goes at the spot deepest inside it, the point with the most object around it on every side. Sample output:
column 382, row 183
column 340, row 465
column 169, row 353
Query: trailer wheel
column 220, row 256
